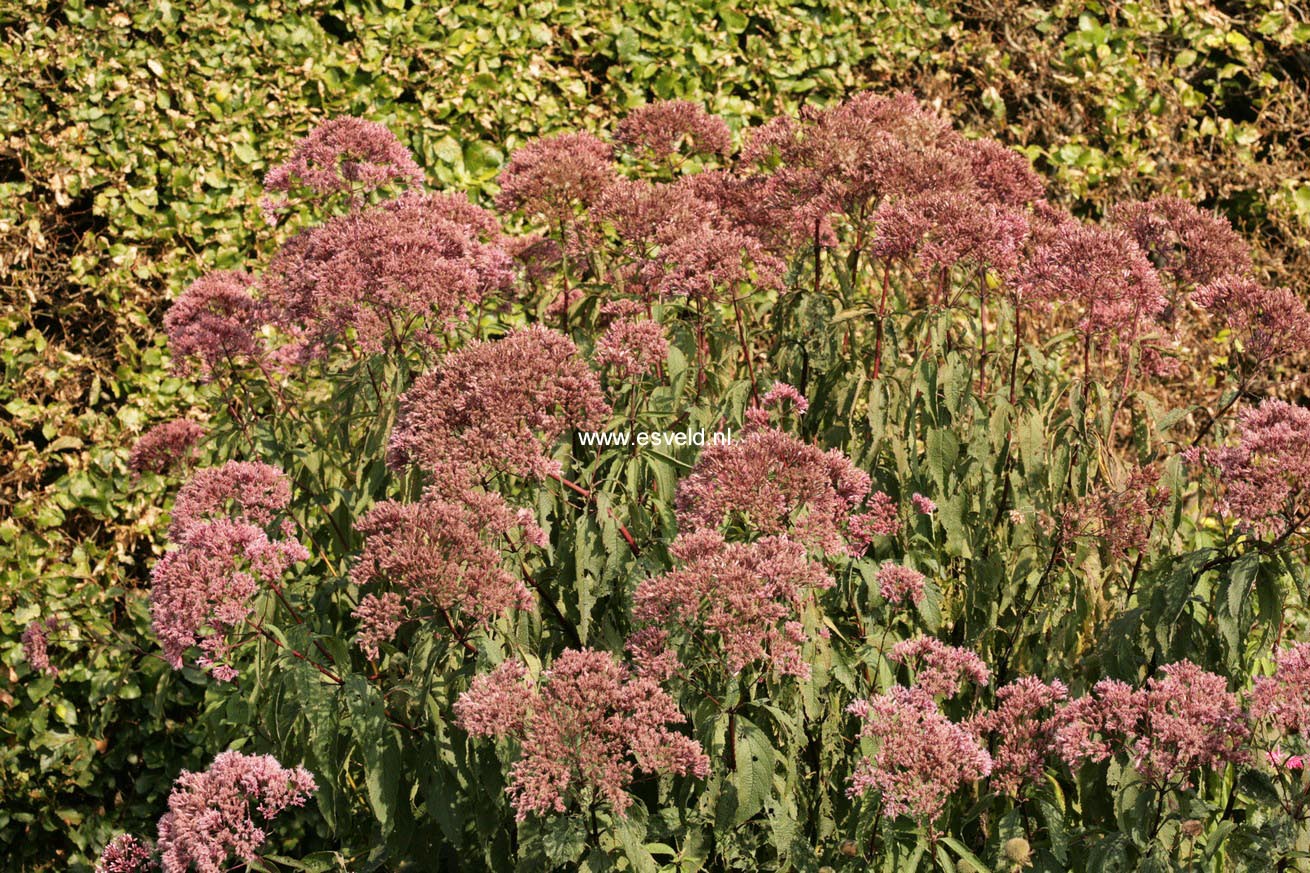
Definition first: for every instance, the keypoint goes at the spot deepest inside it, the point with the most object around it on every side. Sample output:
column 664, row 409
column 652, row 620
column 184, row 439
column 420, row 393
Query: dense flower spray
column 1122, row 518
column 126, row 853
column 664, row 128
column 1283, row 700
column 1193, row 245
column 404, row 269
column 447, row 552
column 900, row 585
column 583, row 730
column 744, row 601
column 347, row 155
column 772, row 483
column 632, row 347
column 215, row 322
column 553, row 176
column 165, row 446
column 498, row 406
column 36, row 641
column 922, row 757
column 211, row 815
column 1265, row 476
column 1182, row 720
column 1023, row 727
column 1270, row 322
column 940, row 670
column 250, row 491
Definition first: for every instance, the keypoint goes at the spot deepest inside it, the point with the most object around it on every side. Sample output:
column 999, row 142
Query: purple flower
column 664, row 128
column 214, row 321
column 900, row 585
column 126, row 853
column 165, row 446
column 35, row 641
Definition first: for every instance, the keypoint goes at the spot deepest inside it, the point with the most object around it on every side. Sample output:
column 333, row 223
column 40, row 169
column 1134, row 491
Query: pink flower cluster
column 1022, row 725
column 445, row 551
column 781, row 393
column 554, row 175
column 202, row 588
column 215, row 321
column 344, row 154
column 663, row 129
column 1121, row 518
column 126, row 853
column 586, row 726
column 632, row 347
column 1270, row 322
column 1192, row 244
column 165, row 446
column 922, row 757
column 210, row 816
column 741, row 601
column 497, row 406
column 35, row 640
column 406, row 268
column 900, row 585
column 771, row 483
column 1181, row 721
column 1283, row 700
column 940, row 670
column 1265, row 476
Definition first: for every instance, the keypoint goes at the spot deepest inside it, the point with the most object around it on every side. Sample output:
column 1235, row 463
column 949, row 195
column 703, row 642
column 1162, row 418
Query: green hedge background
column 133, row 137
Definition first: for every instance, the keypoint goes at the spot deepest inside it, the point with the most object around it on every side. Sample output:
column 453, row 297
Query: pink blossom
column 202, row 589
column 211, row 815
column 922, row 757
column 1121, row 517
column 1283, row 700
column 551, row 175
column 736, row 602
column 345, row 154
column 1182, row 720
column 1103, row 273
column 1265, row 476
column 774, row 398
column 940, row 670
column 1003, row 174
column 498, row 406
column 923, row 504
column 709, row 263
column 246, row 490
column 1281, row 760
column 632, row 347
column 1195, row 245
column 35, row 641
column 1022, row 726
column 1271, row 322
column 900, row 585
column 665, row 127
column 772, row 483
column 126, row 853
column 587, row 724
column 941, row 229
column 215, row 322
column 447, row 552
column 165, row 446
column 406, row 268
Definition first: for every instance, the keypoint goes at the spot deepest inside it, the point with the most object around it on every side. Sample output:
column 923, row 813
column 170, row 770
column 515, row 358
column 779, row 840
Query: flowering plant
column 961, row 592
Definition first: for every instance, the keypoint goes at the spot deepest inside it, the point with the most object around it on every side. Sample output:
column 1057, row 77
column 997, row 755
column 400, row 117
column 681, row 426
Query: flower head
column 900, row 585
column 1266, row 474
column 498, row 406
column 211, row 815
column 445, row 551
column 344, row 154
column 35, row 642
column 1121, row 517
column 1271, row 322
column 165, row 446
column 249, row 491
column 923, row 504
column 922, row 757
column 1194, row 245
column 553, row 175
column 126, row 853
column 586, row 723
column 939, row 669
column 1283, row 700
column 781, row 393
column 402, row 269
column 1022, row 726
column 771, row 483
column 214, row 321
column 662, row 129
column 632, row 347
column 741, row 600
